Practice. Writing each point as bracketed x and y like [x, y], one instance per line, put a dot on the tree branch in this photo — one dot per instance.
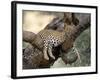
[28, 36]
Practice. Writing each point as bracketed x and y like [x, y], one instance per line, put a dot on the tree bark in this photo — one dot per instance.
[28, 36]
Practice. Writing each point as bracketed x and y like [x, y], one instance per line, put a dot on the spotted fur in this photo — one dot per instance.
[51, 38]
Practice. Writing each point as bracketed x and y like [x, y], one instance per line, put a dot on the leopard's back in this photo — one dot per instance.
[52, 37]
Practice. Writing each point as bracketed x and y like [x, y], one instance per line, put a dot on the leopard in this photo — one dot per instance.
[51, 38]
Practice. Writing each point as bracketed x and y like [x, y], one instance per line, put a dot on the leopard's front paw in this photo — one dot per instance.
[46, 57]
[53, 57]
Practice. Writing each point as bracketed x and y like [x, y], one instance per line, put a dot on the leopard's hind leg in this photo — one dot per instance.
[45, 51]
[50, 52]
